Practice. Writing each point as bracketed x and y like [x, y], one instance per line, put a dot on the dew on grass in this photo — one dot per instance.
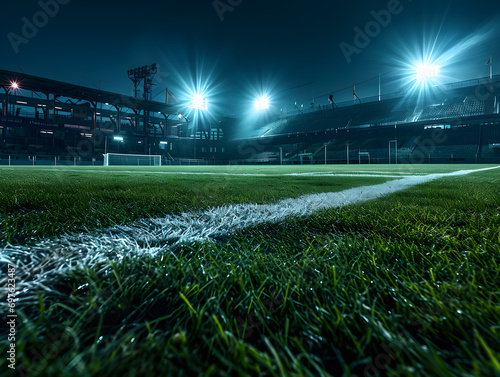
[101, 246]
[83, 286]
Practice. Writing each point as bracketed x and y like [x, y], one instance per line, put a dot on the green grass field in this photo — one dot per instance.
[404, 285]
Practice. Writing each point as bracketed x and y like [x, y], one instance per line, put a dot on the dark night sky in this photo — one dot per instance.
[258, 46]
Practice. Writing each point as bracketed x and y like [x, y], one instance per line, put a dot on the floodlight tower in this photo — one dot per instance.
[146, 75]
[262, 103]
[426, 71]
[14, 86]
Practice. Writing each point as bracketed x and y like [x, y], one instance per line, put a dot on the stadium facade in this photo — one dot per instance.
[52, 122]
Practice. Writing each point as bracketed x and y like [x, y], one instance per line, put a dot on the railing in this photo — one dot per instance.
[34, 160]
[412, 158]
[449, 86]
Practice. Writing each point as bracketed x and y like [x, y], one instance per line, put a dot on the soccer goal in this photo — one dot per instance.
[117, 159]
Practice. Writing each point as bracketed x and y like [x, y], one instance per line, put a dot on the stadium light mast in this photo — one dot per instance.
[14, 86]
[379, 94]
[424, 72]
[261, 103]
[355, 95]
[145, 73]
[198, 102]
[490, 63]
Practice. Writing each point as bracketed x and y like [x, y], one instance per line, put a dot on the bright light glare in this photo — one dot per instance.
[427, 71]
[198, 102]
[14, 85]
[262, 103]
[118, 138]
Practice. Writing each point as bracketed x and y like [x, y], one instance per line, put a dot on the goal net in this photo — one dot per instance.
[117, 159]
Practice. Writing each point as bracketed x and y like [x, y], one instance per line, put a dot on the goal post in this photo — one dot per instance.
[117, 159]
[364, 154]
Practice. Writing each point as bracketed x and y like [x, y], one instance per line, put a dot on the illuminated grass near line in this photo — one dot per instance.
[410, 279]
[160, 235]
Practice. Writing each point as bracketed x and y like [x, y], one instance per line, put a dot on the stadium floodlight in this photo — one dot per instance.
[262, 103]
[118, 138]
[426, 71]
[198, 102]
[14, 85]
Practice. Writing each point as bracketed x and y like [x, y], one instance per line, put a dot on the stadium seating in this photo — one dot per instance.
[453, 110]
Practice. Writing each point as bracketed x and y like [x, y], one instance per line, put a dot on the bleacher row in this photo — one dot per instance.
[453, 110]
[364, 116]
[399, 116]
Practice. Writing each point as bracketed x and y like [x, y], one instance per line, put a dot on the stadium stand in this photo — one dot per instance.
[453, 110]
[78, 125]
[454, 124]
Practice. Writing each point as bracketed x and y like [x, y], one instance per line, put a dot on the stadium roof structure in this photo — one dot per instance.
[94, 96]
[468, 101]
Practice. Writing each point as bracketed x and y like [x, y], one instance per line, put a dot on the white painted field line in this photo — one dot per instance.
[312, 174]
[326, 174]
[97, 249]
[386, 172]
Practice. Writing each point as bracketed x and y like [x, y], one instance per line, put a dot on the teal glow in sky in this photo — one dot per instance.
[223, 53]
